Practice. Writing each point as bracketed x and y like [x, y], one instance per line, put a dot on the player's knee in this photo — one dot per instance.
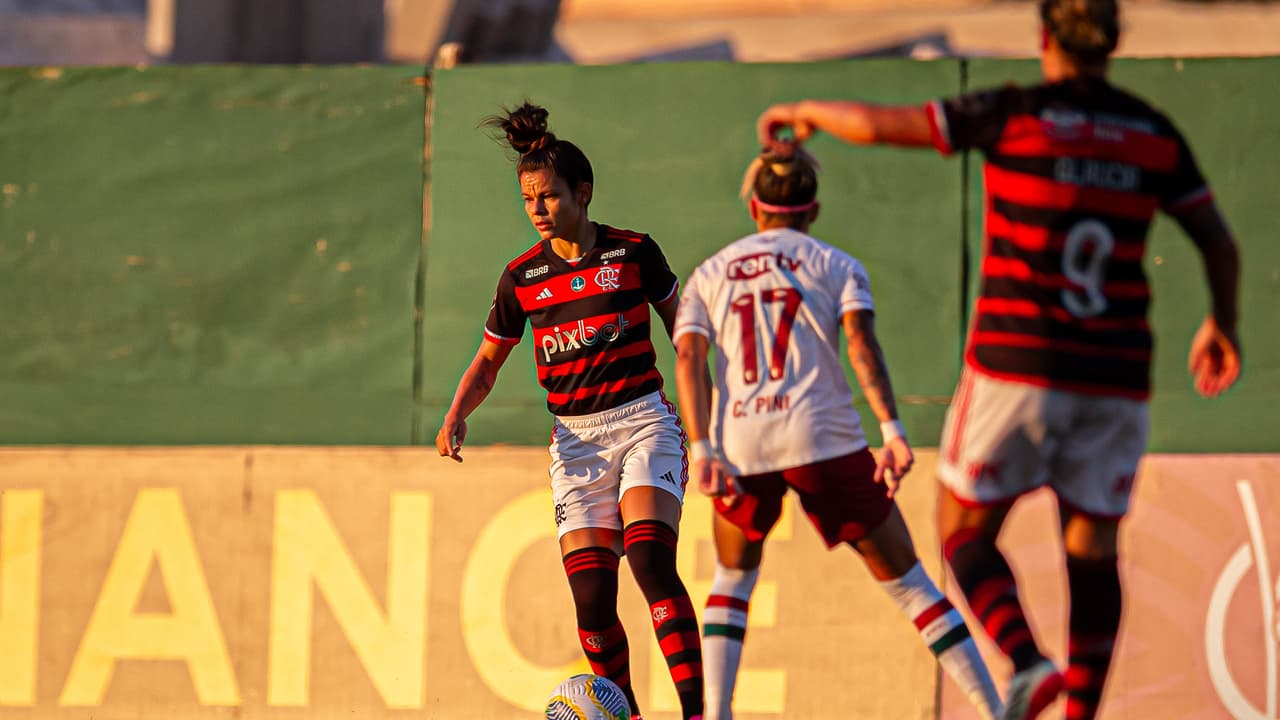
[962, 545]
[593, 581]
[652, 566]
[651, 554]
[1090, 538]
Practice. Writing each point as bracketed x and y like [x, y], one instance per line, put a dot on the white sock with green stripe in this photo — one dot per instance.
[724, 625]
[944, 631]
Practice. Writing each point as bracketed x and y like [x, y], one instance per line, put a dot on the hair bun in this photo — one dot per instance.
[780, 159]
[1089, 29]
[526, 128]
[780, 150]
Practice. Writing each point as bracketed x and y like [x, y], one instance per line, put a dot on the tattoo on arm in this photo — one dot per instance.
[868, 363]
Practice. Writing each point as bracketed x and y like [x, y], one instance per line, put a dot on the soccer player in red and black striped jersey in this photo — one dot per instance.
[618, 464]
[1058, 359]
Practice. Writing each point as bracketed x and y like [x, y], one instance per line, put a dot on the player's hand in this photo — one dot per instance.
[449, 439]
[777, 118]
[1214, 362]
[713, 477]
[894, 463]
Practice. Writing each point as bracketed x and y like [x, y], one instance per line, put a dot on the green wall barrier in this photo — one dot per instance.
[1226, 109]
[208, 254]
[228, 254]
[669, 144]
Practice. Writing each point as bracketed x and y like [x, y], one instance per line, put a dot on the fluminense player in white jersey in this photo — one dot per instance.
[781, 416]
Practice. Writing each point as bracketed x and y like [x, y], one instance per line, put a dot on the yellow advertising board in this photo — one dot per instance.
[379, 583]
[385, 583]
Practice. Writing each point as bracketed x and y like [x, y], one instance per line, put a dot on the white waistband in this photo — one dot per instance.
[604, 417]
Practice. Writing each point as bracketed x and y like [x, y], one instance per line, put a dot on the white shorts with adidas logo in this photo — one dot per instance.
[597, 458]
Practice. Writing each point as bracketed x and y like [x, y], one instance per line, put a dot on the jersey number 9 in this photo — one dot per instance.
[1088, 246]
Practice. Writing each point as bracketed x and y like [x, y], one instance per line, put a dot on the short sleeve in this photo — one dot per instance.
[506, 322]
[692, 316]
[974, 120]
[659, 283]
[1186, 187]
[854, 284]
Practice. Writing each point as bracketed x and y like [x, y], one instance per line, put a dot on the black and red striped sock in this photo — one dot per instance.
[1096, 608]
[987, 582]
[593, 579]
[651, 553]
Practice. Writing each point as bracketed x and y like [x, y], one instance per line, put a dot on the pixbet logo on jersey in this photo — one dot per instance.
[745, 268]
[581, 335]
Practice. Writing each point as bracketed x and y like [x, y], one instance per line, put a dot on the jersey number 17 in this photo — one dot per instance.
[745, 307]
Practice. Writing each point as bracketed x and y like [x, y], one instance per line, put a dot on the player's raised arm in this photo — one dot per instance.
[474, 387]
[1215, 359]
[868, 363]
[852, 121]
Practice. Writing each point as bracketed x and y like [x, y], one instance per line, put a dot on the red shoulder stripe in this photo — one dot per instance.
[620, 234]
[1026, 136]
[525, 256]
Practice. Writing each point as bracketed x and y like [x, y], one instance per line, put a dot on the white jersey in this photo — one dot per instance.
[770, 305]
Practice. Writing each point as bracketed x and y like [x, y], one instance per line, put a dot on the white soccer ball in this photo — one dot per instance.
[588, 697]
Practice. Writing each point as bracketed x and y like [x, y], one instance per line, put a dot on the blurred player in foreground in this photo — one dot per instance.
[618, 465]
[1058, 360]
[781, 416]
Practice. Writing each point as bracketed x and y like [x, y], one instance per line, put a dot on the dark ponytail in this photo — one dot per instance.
[526, 132]
[1088, 30]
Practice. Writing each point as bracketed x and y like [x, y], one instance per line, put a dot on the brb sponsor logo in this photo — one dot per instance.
[535, 272]
[1250, 556]
[752, 266]
[581, 335]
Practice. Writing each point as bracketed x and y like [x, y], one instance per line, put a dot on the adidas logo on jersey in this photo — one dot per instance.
[545, 294]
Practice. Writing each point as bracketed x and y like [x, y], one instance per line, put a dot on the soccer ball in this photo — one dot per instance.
[588, 697]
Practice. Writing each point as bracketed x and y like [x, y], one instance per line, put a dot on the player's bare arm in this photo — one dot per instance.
[474, 387]
[854, 122]
[867, 360]
[667, 311]
[1215, 358]
[693, 385]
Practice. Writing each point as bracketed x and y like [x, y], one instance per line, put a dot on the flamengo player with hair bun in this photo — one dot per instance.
[618, 466]
[781, 417]
[1057, 368]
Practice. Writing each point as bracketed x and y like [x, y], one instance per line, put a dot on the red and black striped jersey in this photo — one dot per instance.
[1074, 173]
[590, 319]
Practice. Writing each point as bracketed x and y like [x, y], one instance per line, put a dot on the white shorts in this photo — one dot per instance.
[1002, 439]
[597, 458]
